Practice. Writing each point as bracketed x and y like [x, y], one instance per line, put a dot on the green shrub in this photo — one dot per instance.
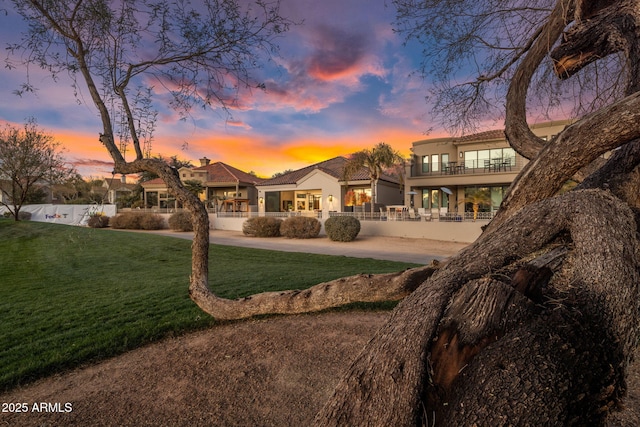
[300, 227]
[262, 226]
[137, 221]
[127, 221]
[151, 221]
[181, 221]
[98, 221]
[342, 228]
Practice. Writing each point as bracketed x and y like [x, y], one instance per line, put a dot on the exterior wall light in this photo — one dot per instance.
[330, 198]
[261, 200]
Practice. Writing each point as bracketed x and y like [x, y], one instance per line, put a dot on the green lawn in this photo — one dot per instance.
[72, 295]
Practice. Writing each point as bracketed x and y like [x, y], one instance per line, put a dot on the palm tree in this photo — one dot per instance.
[375, 160]
[478, 197]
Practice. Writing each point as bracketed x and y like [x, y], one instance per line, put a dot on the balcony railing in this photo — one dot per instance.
[475, 167]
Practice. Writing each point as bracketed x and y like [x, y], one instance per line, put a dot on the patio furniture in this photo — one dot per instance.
[452, 168]
[383, 214]
[424, 214]
[412, 215]
[498, 165]
[396, 212]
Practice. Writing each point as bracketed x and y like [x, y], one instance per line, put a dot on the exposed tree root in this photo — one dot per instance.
[359, 288]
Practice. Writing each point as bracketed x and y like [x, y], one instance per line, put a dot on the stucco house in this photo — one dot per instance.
[450, 175]
[225, 188]
[320, 188]
[115, 188]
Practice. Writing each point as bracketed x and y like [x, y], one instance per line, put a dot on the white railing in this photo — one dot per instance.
[313, 214]
[468, 216]
[363, 216]
[447, 217]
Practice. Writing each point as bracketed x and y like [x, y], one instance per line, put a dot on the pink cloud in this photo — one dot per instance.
[336, 53]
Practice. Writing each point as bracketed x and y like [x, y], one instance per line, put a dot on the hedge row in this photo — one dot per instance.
[137, 221]
[341, 229]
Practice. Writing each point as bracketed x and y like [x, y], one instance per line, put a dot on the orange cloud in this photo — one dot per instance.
[259, 153]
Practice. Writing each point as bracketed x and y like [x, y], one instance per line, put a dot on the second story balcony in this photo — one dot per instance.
[472, 167]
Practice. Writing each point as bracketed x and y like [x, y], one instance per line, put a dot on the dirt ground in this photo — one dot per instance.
[276, 371]
[271, 372]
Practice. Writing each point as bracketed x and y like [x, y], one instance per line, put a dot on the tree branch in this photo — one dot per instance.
[576, 147]
[517, 130]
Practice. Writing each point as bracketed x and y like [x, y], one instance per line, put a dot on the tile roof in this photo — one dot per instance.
[482, 136]
[222, 172]
[154, 181]
[332, 167]
[218, 172]
[117, 184]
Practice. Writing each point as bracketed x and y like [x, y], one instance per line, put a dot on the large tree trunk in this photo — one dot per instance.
[497, 336]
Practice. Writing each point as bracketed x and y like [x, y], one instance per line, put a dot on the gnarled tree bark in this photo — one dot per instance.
[471, 307]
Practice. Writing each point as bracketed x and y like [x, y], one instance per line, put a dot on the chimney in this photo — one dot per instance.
[204, 161]
[123, 179]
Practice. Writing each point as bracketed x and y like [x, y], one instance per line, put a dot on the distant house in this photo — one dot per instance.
[43, 191]
[321, 187]
[115, 188]
[454, 174]
[225, 188]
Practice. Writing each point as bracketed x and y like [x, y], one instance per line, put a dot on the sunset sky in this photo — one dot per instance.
[344, 83]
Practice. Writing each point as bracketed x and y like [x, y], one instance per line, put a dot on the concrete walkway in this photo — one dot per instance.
[419, 251]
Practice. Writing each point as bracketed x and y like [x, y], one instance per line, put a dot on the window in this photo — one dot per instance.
[477, 159]
[480, 196]
[425, 164]
[483, 155]
[488, 199]
[510, 155]
[445, 160]
[435, 199]
[425, 198]
[272, 201]
[470, 159]
[435, 160]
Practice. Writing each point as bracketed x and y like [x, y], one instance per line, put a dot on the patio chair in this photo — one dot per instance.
[424, 214]
[487, 165]
[383, 214]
